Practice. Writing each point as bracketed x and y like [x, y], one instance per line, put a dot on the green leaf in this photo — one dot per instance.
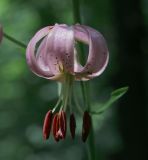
[115, 95]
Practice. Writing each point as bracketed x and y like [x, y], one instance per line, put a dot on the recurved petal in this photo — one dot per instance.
[31, 55]
[98, 52]
[60, 44]
[41, 56]
[1, 33]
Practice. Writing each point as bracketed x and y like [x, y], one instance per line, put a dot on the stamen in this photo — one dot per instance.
[63, 123]
[72, 125]
[59, 126]
[47, 124]
[86, 126]
[57, 104]
[55, 127]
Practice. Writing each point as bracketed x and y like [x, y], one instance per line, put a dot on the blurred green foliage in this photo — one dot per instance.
[25, 98]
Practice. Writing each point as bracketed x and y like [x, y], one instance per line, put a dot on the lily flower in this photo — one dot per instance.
[1, 33]
[57, 54]
[52, 54]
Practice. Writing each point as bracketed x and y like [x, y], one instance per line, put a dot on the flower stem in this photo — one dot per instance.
[91, 139]
[84, 86]
[10, 38]
[76, 11]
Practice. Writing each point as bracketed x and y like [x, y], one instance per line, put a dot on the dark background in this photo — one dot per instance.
[122, 132]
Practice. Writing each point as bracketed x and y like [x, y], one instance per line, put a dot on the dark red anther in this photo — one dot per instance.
[63, 123]
[86, 125]
[59, 126]
[72, 125]
[47, 124]
[55, 126]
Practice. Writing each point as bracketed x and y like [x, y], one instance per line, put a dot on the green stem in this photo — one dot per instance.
[84, 86]
[77, 19]
[91, 144]
[76, 11]
[91, 139]
[14, 41]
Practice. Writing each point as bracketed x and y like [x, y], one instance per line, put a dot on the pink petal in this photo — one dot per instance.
[77, 66]
[98, 52]
[43, 61]
[32, 61]
[41, 55]
[1, 33]
[60, 48]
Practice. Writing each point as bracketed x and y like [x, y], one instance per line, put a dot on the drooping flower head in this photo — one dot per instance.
[1, 33]
[57, 54]
[52, 54]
